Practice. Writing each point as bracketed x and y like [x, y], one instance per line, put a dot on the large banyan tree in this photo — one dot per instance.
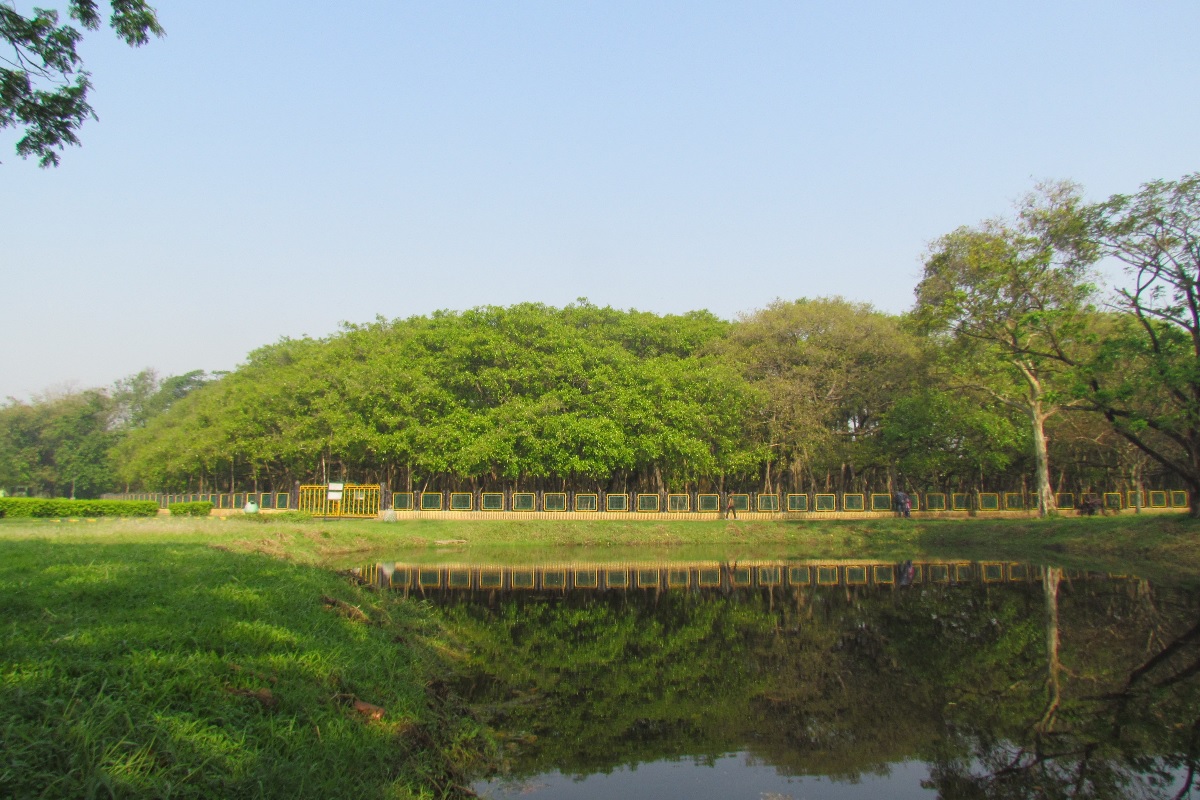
[492, 397]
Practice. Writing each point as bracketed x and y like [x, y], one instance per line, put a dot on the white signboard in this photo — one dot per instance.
[335, 491]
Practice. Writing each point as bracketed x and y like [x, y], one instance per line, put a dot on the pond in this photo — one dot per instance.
[840, 679]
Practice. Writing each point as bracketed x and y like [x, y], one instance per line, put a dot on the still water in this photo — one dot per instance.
[849, 679]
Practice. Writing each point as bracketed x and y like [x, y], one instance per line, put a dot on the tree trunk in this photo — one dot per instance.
[1046, 501]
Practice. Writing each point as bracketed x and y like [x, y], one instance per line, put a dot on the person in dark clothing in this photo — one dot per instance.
[903, 503]
[730, 509]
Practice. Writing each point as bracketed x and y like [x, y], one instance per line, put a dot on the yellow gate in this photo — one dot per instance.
[357, 501]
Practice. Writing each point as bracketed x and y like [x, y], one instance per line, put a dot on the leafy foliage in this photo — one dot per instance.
[43, 86]
[1012, 298]
[60, 443]
[492, 394]
[1146, 376]
[827, 370]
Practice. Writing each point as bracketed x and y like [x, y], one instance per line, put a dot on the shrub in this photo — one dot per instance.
[57, 508]
[200, 508]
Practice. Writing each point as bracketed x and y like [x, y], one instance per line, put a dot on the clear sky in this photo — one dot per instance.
[272, 168]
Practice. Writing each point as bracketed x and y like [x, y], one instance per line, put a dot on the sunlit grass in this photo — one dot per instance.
[145, 664]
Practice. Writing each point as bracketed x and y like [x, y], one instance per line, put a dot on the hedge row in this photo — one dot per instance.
[199, 508]
[58, 508]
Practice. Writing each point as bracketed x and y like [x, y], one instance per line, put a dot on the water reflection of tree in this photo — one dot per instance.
[591, 683]
[1122, 719]
[1067, 689]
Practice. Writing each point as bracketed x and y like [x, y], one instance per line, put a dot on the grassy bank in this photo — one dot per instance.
[202, 658]
[150, 664]
[1149, 543]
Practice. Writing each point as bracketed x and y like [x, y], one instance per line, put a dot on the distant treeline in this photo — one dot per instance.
[812, 395]
[1011, 366]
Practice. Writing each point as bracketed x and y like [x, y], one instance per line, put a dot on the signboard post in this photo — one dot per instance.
[333, 493]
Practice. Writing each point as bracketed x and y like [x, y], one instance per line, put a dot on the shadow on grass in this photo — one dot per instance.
[156, 669]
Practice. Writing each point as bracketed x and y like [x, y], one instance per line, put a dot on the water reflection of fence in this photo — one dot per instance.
[696, 576]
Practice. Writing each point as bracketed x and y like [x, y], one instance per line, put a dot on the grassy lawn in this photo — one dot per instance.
[205, 658]
[146, 663]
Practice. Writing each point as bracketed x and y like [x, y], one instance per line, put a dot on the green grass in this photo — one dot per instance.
[197, 658]
[1153, 545]
[153, 665]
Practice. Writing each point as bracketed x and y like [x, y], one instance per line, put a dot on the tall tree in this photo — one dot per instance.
[828, 369]
[1013, 297]
[1146, 379]
[43, 86]
[58, 444]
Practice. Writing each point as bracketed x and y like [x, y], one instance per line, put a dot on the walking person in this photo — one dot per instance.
[730, 508]
[903, 503]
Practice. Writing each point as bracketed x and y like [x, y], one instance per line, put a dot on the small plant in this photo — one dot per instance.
[200, 508]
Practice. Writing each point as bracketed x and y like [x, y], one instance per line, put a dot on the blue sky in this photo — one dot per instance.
[269, 169]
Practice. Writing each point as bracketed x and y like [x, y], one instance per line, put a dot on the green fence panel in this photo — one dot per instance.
[853, 502]
[797, 502]
[616, 502]
[647, 502]
[825, 502]
[768, 502]
[524, 501]
[431, 501]
[708, 503]
[935, 501]
[587, 502]
[554, 501]
[491, 501]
